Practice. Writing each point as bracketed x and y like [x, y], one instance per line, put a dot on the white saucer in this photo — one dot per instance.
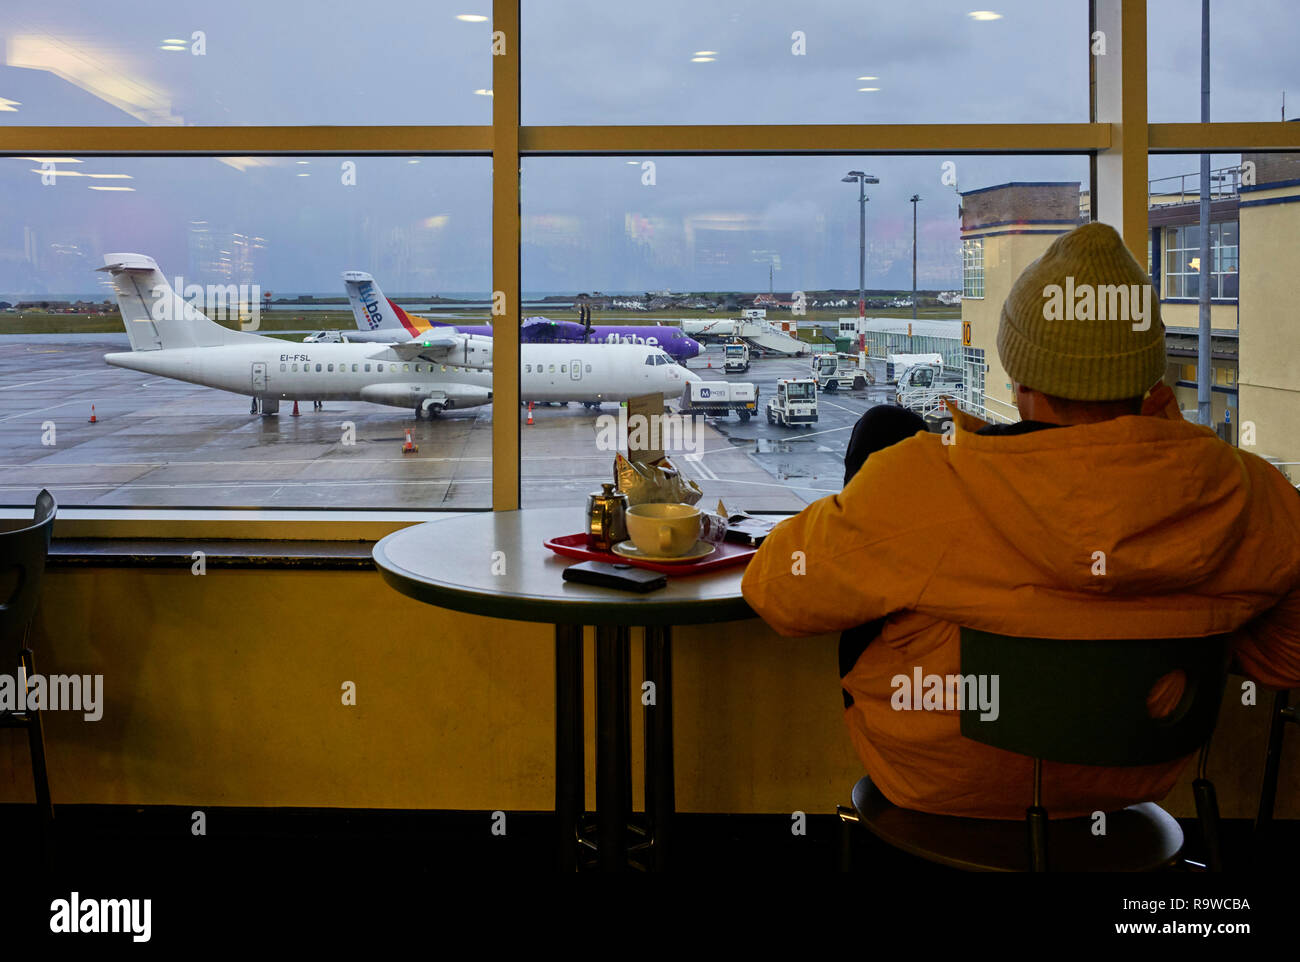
[626, 549]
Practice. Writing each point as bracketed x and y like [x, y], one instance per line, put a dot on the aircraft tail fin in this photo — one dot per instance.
[375, 312]
[155, 316]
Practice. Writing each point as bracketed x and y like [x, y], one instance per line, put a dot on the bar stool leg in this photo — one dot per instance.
[1268, 786]
[570, 778]
[613, 799]
[660, 791]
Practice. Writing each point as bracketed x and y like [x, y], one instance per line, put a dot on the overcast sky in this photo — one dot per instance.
[589, 223]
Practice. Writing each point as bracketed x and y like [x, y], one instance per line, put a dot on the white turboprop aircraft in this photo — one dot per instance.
[171, 338]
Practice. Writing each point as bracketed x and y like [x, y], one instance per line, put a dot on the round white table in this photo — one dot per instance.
[495, 564]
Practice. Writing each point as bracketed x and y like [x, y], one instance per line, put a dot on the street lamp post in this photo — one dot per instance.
[862, 180]
[914, 198]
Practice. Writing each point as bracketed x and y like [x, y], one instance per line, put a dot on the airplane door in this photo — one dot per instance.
[259, 377]
[575, 370]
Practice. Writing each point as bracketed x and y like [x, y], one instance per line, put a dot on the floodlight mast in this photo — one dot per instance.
[862, 180]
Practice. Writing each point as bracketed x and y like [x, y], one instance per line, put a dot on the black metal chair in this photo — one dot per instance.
[22, 567]
[1077, 702]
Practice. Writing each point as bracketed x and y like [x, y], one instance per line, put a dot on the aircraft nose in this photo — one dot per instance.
[692, 347]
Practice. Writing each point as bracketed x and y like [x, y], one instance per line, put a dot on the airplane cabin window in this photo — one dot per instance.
[650, 360]
[418, 368]
[528, 369]
[588, 368]
[354, 369]
[379, 369]
[317, 368]
[284, 367]
[329, 367]
[406, 367]
[552, 368]
[295, 367]
[367, 368]
[564, 368]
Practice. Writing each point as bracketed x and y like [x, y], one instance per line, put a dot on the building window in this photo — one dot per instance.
[1183, 260]
[972, 267]
[973, 368]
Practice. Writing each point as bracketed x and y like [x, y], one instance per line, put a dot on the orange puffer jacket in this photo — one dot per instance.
[1001, 533]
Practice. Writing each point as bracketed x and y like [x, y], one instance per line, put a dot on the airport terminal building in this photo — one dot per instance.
[1254, 229]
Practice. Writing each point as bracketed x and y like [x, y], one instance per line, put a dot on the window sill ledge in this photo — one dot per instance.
[160, 553]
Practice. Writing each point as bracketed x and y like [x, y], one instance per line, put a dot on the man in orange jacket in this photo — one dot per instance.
[1101, 514]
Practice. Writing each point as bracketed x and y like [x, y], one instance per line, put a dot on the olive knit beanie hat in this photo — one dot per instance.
[1082, 322]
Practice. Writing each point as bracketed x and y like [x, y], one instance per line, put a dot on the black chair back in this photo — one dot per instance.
[1085, 701]
[22, 565]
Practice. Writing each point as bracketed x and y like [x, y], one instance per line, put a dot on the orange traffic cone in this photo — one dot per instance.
[295, 409]
[410, 446]
[93, 419]
[530, 412]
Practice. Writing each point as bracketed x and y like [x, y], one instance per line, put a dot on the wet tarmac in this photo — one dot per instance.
[164, 443]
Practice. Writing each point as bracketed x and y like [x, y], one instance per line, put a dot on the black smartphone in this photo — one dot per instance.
[624, 577]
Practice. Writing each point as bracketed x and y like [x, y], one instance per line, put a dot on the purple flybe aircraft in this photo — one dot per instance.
[380, 319]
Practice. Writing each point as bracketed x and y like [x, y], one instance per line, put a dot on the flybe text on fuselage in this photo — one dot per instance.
[614, 337]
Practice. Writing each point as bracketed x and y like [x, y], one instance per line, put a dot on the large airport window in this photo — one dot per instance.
[258, 244]
[1252, 60]
[766, 249]
[181, 62]
[786, 62]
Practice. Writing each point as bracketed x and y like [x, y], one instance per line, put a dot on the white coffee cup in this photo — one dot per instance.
[664, 530]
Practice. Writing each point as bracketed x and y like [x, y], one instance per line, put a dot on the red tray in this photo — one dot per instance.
[728, 554]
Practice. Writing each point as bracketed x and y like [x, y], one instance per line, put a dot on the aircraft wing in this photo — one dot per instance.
[463, 350]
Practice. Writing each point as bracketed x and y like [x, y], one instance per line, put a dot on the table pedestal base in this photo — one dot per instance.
[613, 821]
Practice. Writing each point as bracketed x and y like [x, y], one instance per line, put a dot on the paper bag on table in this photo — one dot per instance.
[653, 482]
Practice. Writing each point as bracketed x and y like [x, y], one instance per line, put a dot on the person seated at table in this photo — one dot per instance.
[1101, 514]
